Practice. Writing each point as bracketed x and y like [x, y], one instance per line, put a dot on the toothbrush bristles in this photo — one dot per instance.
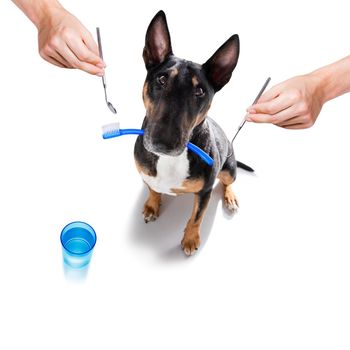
[110, 129]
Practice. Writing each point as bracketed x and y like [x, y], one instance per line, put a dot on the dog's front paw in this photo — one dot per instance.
[150, 213]
[152, 207]
[190, 244]
[231, 202]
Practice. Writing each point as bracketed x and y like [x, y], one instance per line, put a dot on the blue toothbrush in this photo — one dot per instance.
[112, 130]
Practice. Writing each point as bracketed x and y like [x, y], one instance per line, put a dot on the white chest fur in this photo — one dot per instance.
[171, 173]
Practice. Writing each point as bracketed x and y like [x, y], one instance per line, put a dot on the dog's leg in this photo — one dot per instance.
[230, 199]
[152, 206]
[191, 240]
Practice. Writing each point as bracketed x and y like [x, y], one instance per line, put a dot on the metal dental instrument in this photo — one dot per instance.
[109, 104]
[244, 121]
[255, 101]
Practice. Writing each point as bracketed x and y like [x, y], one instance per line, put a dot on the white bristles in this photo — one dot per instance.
[110, 128]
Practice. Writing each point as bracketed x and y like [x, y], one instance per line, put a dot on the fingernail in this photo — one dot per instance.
[100, 74]
[248, 119]
[100, 65]
[251, 110]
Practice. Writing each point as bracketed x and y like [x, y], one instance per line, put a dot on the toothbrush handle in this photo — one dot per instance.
[200, 153]
[195, 149]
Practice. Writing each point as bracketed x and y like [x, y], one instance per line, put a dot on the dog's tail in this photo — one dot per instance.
[244, 166]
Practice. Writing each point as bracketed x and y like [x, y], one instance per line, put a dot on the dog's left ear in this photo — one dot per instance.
[157, 45]
[220, 66]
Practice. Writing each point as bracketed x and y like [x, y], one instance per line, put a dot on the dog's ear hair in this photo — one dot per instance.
[157, 45]
[220, 66]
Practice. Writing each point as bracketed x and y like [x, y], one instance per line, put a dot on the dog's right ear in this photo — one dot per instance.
[157, 45]
[220, 66]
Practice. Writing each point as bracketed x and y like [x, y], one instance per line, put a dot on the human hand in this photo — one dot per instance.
[65, 42]
[293, 104]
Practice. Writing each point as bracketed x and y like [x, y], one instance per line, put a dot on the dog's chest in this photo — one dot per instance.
[171, 174]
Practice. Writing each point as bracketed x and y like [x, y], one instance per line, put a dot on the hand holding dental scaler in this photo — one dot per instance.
[63, 39]
[297, 102]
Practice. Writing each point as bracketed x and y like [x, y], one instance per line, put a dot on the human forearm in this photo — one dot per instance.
[334, 79]
[37, 10]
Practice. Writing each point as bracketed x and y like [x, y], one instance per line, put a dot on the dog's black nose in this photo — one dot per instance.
[164, 148]
[163, 143]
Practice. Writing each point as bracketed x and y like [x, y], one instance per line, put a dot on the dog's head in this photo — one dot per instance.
[177, 93]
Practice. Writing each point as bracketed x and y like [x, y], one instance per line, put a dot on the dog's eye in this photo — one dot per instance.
[161, 80]
[198, 92]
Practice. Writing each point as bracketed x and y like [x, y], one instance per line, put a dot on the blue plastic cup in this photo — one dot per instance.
[78, 240]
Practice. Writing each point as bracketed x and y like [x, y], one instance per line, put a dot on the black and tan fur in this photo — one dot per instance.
[177, 95]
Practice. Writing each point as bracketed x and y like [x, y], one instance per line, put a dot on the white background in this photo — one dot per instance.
[275, 276]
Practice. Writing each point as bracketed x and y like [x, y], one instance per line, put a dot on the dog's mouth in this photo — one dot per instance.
[162, 146]
[163, 150]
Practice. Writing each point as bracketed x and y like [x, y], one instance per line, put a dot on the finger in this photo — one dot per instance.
[260, 118]
[84, 54]
[297, 126]
[298, 119]
[278, 104]
[277, 118]
[291, 121]
[287, 116]
[300, 122]
[49, 54]
[281, 117]
[92, 46]
[53, 60]
[74, 62]
[56, 55]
